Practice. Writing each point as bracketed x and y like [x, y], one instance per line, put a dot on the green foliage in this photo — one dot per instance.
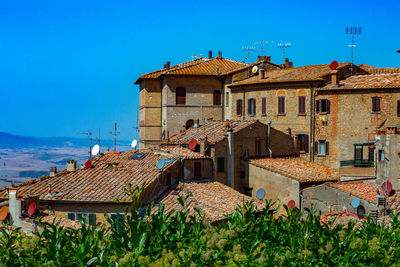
[245, 238]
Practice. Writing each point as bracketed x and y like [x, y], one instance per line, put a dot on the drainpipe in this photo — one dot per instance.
[244, 104]
[312, 129]
[161, 109]
[230, 154]
[268, 138]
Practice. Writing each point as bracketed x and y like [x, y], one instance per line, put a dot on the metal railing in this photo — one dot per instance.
[357, 163]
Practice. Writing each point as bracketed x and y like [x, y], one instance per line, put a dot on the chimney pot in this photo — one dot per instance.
[210, 54]
[53, 171]
[334, 78]
[262, 73]
[71, 165]
[219, 54]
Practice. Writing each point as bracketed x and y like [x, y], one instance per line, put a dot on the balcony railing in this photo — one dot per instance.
[357, 163]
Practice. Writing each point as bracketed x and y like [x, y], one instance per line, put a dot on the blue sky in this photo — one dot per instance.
[69, 66]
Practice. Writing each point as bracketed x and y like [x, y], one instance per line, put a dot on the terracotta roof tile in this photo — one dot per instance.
[374, 81]
[214, 131]
[358, 189]
[378, 70]
[297, 168]
[215, 199]
[105, 181]
[199, 66]
[181, 151]
[298, 74]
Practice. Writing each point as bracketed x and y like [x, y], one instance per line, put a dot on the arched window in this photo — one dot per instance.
[189, 124]
[217, 98]
[180, 96]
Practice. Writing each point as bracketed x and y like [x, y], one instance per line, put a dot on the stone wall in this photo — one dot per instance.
[388, 162]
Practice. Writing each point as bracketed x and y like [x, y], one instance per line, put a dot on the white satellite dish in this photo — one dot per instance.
[95, 150]
[133, 144]
[254, 69]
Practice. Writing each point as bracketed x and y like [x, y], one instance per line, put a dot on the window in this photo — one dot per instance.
[252, 107]
[180, 96]
[71, 216]
[220, 164]
[376, 104]
[92, 219]
[217, 98]
[263, 106]
[89, 218]
[302, 105]
[246, 154]
[239, 107]
[197, 170]
[119, 219]
[381, 155]
[322, 148]
[258, 149]
[323, 106]
[398, 108]
[227, 99]
[281, 105]
[302, 140]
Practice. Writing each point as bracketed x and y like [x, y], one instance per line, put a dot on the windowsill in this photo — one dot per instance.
[301, 114]
[378, 112]
[319, 155]
[283, 114]
[303, 152]
[252, 115]
[322, 113]
[263, 115]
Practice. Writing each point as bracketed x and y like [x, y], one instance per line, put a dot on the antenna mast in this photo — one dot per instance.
[248, 50]
[283, 46]
[115, 133]
[89, 134]
[261, 43]
[353, 31]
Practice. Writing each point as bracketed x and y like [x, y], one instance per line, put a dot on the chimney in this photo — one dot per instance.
[14, 207]
[334, 78]
[53, 171]
[264, 58]
[287, 64]
[262, 74]
[167, 65]
[219, 54]
[204, 146]
[71, 165]
[210, 54]
[196, 123]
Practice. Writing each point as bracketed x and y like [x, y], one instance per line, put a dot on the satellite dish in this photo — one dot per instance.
[3, 213]
[161, 163]
[355, 202]
[192, 144]
[360, 211]
[95, 150]
[387, 187]
[133, 144]
[32, 209]
[291, 204]
[254, 69]
[260, 193]
[88, 164]
[334, 65]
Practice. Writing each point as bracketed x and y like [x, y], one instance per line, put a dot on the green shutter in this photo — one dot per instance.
[71, 216]
[221, 165]
[92, 219]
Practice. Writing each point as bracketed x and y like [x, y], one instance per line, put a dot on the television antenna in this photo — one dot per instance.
[283, 46]
[90, 135]
[137, 125]
[353, 31]
[262, 43]
[115, 133]
[194, 56]
[248, 50]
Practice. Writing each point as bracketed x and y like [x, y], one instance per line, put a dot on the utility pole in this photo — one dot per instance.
[115, 133]
[89, 134]
[261, 43]
[248, 50]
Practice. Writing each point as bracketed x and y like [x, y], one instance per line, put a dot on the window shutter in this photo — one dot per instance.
[378, 104]
[302, 105]
[326, 148]
[306, 143]
[317, 107]
[398, 108]
[92, 219]
[71, 216]
[316, 148]
[254, 104]
[264, 105]
[239, 107]
[249, 107]
[328, 106]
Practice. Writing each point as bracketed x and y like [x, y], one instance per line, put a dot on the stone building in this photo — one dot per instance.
[282, 179]
[175, 97]
[351, 112]
[388, 158]
[227, 142]
[286, 98]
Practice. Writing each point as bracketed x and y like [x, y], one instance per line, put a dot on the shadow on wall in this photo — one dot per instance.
[281, 144]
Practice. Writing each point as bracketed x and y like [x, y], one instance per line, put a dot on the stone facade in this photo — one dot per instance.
[388, 159]
[352, 121]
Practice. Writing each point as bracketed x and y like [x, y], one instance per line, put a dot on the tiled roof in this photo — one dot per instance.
[105, 181]
[297, 168]
[215, 199]
[214, 131]
[63, 221]
[378, 70]
[373, 81]
[299, 74]
[180, 151]
[341, 217]
[358, 189]
[199, 66]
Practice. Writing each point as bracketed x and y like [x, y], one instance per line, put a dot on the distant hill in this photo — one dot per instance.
[8, 140]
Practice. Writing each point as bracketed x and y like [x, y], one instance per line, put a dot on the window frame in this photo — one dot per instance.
[376, 107]
[239, 107]
[263, 106]
[217, 98]
[281, 105]
[318, 106]
[252, 107]
[326, 147]
[180, 98]
[305, 143]
[301, 103]
[258, 148]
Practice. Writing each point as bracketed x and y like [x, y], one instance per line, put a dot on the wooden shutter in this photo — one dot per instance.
[326, 148]
[328, 106]
[239, 107]
[264, 105]
[398, 108]
[217, 98]
[302, 105]
[316, 148]
[306, 143]
[376, 104]
[92, 219]
[281, 105]
[254, 106]
[249, 106]
[180, 96]
[317, 106]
